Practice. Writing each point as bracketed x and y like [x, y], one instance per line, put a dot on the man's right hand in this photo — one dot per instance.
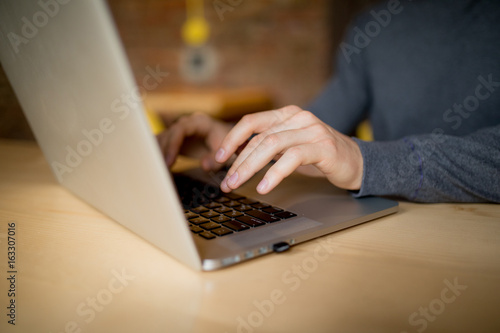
[198, 136]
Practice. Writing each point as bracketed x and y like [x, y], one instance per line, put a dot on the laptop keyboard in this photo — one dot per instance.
[212, 213]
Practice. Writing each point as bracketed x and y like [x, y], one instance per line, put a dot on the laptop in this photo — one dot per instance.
[69, 71]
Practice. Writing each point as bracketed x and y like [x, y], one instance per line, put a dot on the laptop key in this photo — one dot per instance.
[285, 215]
[233, 213]
[234, 196]
[251, 221]
[212, 205]
[189, 215]
[243, 208]
[199, 220]
[232, 203]
[199, 209]
[209, 214]
[236, 226]
[222, 199]
[272, 210]
[222, 231]
[259, 205]
[210, 225]
[220, 219]
[248, 201]
[222, 209]
[207, 235]
[263, 216]
[196, 229]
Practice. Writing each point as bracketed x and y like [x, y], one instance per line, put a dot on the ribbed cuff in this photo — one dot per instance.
[392, 168]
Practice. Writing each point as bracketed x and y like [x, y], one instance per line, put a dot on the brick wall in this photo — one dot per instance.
[281, 45]
[285, 46]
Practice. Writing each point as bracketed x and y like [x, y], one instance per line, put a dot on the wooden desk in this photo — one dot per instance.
[225, 104]
[78, 271]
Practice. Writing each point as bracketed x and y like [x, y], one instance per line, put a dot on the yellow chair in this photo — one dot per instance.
[155, 121]
[364, 131]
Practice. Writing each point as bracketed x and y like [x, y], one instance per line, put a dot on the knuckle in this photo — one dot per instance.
[255, 140]
[318, 129]
[293, 109]
[246, 119]
[270, 141]
[329, 160]
[330, 145]
[182, 120]
[198, 116]
[244, 168]
[174, 129]
[185, 120]
[295, 153]
[305, 116]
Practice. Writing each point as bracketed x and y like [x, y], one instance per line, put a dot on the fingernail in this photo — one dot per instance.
[233, 179]
[219, 155]
[262, 185]
[224, 187]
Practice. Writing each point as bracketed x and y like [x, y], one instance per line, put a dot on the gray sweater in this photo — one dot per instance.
[427, 76]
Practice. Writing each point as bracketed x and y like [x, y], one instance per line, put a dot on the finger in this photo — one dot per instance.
[215, 136]
[173, 142]
[239, 134]
[310, 129]
[250, 162]
[248, 125]
[163, 141]
[293, 158]
[176, 134]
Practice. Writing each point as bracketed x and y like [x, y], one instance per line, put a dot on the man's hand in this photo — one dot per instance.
[293, 137]
[197, 135]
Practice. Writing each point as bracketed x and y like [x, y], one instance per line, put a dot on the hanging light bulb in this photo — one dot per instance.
[198, 60]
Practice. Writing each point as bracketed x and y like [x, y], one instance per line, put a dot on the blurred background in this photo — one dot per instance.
[222, 57]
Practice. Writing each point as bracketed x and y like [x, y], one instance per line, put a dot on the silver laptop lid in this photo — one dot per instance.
[70, 74]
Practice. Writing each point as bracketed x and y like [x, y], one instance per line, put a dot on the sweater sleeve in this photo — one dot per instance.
[434, 167]
[343, 102]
